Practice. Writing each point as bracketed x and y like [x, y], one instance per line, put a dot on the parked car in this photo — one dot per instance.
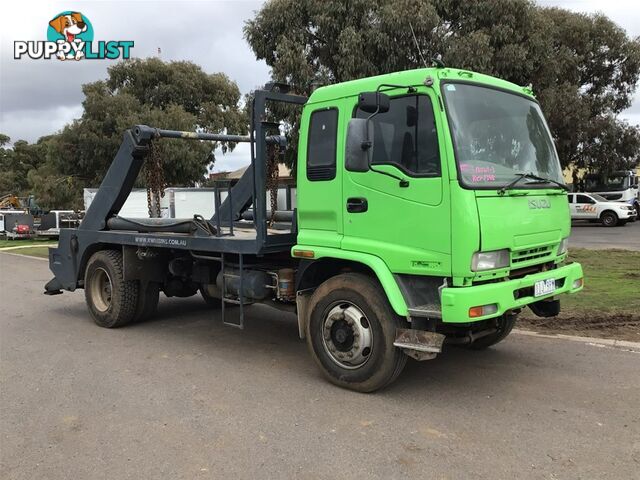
[591, 206]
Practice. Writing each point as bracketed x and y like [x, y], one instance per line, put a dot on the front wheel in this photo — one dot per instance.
[351, 331]
[609, 219]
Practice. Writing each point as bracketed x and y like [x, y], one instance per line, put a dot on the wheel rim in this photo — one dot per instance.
[608, 220]
[101, 288]
[347, 336]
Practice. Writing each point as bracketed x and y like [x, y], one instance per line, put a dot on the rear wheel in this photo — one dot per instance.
[112, 301]
[609, 219]
[504, 326]
[351, 331]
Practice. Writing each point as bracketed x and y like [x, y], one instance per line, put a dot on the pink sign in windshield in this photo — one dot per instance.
[478, 174]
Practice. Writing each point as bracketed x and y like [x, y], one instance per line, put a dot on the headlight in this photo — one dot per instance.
[563, 247]
[489, 260]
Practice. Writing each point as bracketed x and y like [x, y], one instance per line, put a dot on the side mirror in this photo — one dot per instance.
[359, 147]
[372, 102]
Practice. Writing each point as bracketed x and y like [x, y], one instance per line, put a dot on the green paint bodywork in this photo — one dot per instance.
[434, 226]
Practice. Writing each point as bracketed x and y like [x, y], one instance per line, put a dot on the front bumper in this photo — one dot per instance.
[627, 214]
[507, 295]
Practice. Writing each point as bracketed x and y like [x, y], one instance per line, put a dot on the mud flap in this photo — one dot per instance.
[545, 308]
[53, 287]
[419, 344]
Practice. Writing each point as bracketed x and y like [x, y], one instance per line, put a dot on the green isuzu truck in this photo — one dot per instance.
[429, 210]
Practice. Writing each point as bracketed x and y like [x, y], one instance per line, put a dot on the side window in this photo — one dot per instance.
[584, 199]
[570, 198]
[406, 136]
[321, 145]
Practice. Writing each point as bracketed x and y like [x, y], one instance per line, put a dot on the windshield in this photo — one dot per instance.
[598, 198]
[614, 183]
[497, 135]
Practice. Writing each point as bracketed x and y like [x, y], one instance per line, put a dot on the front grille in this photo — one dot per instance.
[516, 273]
[519, 257]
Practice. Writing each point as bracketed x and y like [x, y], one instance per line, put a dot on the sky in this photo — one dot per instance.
[38, 97]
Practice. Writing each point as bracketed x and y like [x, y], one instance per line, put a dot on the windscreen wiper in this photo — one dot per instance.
[532, 176]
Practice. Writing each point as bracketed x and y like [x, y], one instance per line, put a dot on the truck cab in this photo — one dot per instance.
[621, 187]
[453, 196]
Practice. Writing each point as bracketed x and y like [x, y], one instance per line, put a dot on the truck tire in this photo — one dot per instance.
[505, 325]
[350, 333]
[148, 297]
[609, 219]
[112, 301]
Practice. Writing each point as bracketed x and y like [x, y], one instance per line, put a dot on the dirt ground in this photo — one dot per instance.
[623, 326]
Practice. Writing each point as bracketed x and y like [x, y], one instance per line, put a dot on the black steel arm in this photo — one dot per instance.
[251, 188]
[126, 165]
[119, 180]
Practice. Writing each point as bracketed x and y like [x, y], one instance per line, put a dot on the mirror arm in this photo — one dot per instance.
[403, 182]
[410, 88]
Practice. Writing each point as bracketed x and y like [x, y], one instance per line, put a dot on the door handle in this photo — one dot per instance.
[357, 205]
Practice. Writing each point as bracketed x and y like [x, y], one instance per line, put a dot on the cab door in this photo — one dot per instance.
[407, 225]
[319, 186]
[585, 207]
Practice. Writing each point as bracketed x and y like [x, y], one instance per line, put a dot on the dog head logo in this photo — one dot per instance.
[69, 25]
[70, 37]
[72, 28]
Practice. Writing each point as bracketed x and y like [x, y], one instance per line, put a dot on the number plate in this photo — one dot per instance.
[544, 287]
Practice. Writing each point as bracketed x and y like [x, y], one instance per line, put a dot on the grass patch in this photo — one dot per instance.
[612, 282]
[24, 242]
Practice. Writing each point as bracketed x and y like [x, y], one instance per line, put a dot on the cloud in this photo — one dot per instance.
[21, 124]
[623, 12]
[230, 161]
[37, 97]
[632, 118]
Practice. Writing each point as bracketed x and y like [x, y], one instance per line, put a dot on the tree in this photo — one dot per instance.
[174, 95]
[53, 190]
[583, 68]
[15, 164]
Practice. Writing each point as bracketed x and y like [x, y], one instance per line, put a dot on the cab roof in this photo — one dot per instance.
[410, 78]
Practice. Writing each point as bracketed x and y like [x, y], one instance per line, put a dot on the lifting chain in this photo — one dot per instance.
[273, 153]
[154, 176]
